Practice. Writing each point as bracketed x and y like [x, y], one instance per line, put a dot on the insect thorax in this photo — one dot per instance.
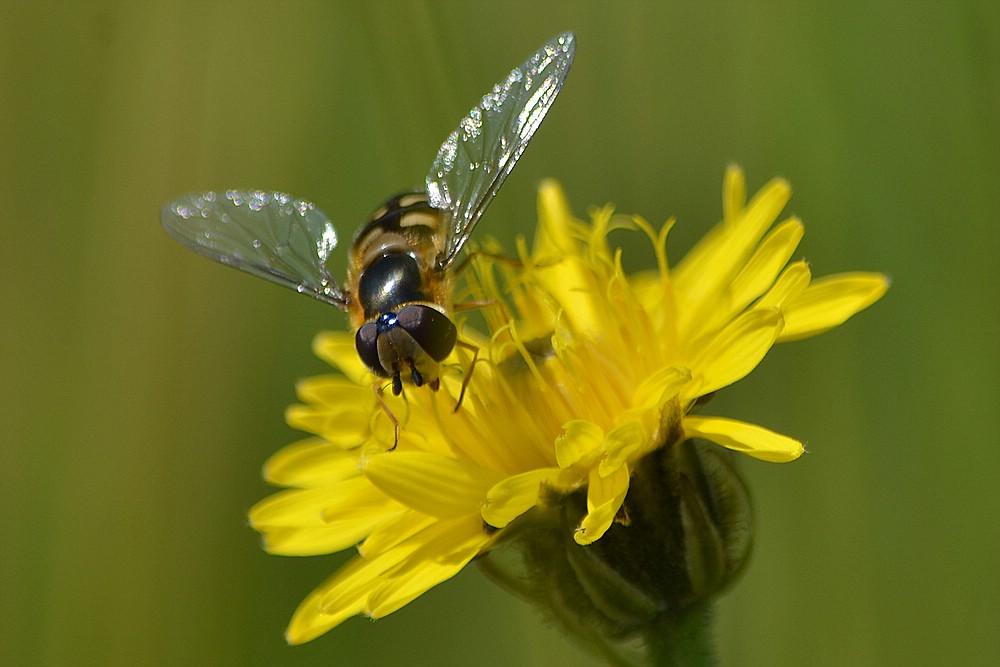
[394, 256]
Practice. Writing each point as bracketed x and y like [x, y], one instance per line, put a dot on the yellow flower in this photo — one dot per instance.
[584, 371]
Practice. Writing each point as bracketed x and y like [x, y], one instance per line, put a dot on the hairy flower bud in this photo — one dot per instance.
[684, 534]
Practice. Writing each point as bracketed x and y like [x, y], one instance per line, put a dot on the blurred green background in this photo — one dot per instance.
[142, 386]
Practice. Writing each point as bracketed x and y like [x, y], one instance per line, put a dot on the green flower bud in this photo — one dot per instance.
[683, 535]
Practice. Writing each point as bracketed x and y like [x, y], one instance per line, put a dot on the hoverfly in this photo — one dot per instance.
[398, 293]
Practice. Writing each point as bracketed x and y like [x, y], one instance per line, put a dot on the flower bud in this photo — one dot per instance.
[684, 534]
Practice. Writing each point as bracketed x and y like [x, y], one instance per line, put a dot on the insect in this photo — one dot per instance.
[399, 288]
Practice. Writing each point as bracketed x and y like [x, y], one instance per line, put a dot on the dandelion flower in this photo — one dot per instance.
[583, 373]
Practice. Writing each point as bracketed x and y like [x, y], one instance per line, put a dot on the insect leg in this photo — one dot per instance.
[468, 376]
[380, 387]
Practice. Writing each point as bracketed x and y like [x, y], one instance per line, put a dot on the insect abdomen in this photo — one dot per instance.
[406, 224]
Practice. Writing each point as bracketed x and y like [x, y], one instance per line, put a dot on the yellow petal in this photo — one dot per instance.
[751, 439]
[792, 282]
[352, 585]
[326, 539]
[332, 390]
[561, 269]
[653, 292]
[622, 443]
[734, 192]
[766, 263]
[553, 238]
[707, 270]
[353, 498]
[578, 440]
[309, 463]
[442, 486]
[660, 387]
[395, 530]
[344, 427]
[604, 498]
[456, 543]
[515, 495]
[735, 351]
[337, 349]
[310, 621]
[765, 207]
[829, 302]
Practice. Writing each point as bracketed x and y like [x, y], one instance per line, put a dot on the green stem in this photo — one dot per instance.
[682, 642]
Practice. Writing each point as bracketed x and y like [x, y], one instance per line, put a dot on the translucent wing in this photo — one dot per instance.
[473, 162]
[269, 234]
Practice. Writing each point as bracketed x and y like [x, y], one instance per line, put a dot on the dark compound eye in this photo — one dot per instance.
[366, 341]
[430, 328]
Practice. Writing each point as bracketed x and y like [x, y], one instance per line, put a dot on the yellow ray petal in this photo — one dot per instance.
[766, 263]
[310, 621]
[569, 280]
[326, 539]
[395, 530]
[734, 192]
[456, 543]
[707, 270]
[829, 302]
[352, 585]
[337, 349]
[309, 463]
[751, 439]
[344, 427]
[735, 352]
[622, 443]
[553, 237]
[348, 499]
[579, 439]
[660, 387]
[443, 486]
[332, 390]
[604, 498]
[515, 495]
[792, 282]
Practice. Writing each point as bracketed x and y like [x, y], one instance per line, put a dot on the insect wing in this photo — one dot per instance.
[269, 234]
[473, 162]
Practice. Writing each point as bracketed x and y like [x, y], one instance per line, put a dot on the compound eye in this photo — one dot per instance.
[430, 328]
[366, 341]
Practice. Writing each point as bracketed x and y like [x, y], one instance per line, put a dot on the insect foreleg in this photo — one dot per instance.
[380, 387]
